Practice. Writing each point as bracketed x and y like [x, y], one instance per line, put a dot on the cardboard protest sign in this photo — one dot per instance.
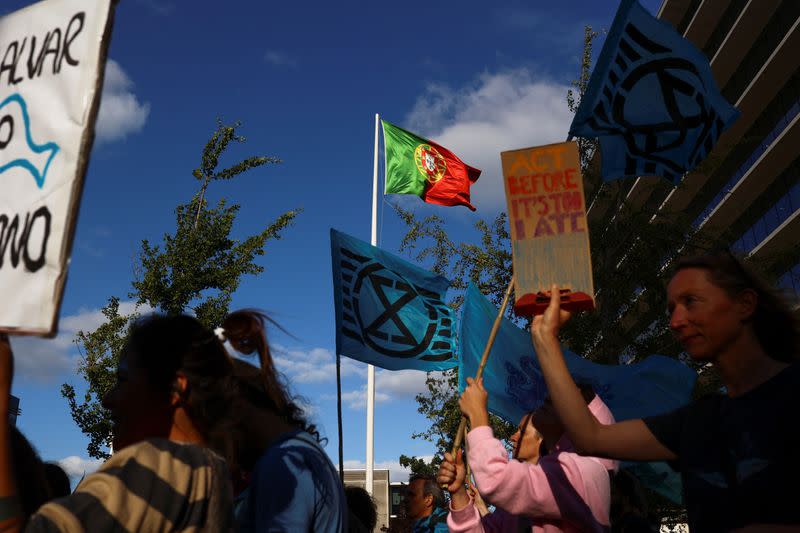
[53, 56]
[549, 235]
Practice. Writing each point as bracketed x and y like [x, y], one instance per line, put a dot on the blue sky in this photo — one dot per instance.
[306, 79]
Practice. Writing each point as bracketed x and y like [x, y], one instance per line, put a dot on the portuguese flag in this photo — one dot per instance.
[418, 166]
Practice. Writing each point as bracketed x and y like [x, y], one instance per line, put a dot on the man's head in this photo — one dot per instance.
[362, 506]
[423, 495]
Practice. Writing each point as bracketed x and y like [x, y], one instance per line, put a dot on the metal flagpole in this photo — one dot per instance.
[371, 369]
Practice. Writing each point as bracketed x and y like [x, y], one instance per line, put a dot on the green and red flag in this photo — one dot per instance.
[415, 165]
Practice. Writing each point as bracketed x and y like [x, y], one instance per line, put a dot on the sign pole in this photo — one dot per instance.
[489, 342]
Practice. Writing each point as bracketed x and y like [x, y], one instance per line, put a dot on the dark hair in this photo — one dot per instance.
[362, 506]
[526, 421]
[29, 474]
[258, 389]
[776, 325]
[57, 480]
[166, 345]
[263, 387]
[586, 390]
[430, 487]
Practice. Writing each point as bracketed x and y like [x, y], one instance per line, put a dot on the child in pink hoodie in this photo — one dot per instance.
[559, 491]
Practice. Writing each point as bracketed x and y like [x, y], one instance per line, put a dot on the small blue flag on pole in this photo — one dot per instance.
[516, 385]
[389, 312]
[651, 100]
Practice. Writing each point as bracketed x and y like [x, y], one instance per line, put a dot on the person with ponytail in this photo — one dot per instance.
[283, 478]
[174, 391]
[546, 486]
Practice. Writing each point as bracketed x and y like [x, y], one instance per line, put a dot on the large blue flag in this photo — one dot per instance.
[389, 312]
[516, 385]
[651, 100]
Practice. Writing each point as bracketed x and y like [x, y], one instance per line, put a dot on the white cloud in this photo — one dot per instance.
[47, 359]
[277, 58]
[121, 113]
[313, 366]
[498, 112]
[396, 472]
[91, 319]
[401, 382]
[77, 467]
[389, 385]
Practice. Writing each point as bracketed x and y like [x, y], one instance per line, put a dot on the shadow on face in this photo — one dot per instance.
[139, 411]
[527, 440]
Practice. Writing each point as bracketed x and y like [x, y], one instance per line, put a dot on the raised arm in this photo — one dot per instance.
[630, 440]
[10, 511]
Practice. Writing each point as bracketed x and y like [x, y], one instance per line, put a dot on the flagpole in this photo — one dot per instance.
[489, 342]
[339, 414]
[371, 369]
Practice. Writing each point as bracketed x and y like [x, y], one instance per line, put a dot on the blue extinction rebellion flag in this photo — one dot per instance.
[651, 101]
[516, 386]
[389, 312]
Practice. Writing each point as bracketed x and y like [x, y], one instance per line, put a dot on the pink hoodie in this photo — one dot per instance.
[564, 492]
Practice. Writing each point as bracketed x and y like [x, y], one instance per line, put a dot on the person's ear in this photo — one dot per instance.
[747, 301]
[179, 387]
[429, 500]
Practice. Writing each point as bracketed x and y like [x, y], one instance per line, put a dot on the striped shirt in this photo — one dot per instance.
[156, 486]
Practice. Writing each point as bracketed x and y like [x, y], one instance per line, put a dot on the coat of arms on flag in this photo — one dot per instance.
[652, 100]
[389, 313]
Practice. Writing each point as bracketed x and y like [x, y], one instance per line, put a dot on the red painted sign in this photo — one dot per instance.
[547, 215]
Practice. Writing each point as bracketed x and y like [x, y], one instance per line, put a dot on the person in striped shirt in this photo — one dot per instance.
[174, 392]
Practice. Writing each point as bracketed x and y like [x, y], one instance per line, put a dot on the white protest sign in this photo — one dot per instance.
[52, 59]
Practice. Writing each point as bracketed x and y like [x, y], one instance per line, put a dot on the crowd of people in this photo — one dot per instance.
[204, 441]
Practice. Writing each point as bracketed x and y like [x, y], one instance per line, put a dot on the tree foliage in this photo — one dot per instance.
[630, 251]
[195, 269]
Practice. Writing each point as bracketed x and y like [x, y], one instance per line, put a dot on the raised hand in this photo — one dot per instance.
[473, 403]
[472, 490]
[452, 476]
[545, 327]
[452, 473]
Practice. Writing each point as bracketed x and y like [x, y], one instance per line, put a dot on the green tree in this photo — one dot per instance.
[196, 269]
[629, 250]
[486, 264]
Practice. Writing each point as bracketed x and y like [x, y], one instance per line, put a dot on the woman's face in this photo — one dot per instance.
[531, 441]
[138, 411]
[706, 320]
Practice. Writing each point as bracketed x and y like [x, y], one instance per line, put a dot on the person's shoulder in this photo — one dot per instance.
[296, 451]
[700, 406]
[158, 451]
[166, 459]
[584, 462]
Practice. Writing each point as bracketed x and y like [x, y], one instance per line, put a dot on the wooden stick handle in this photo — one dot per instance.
[489, 342]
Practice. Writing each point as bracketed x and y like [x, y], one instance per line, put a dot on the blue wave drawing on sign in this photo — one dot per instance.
[7, 121]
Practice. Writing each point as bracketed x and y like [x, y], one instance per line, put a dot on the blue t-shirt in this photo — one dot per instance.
[293, 488]
[436, 522]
